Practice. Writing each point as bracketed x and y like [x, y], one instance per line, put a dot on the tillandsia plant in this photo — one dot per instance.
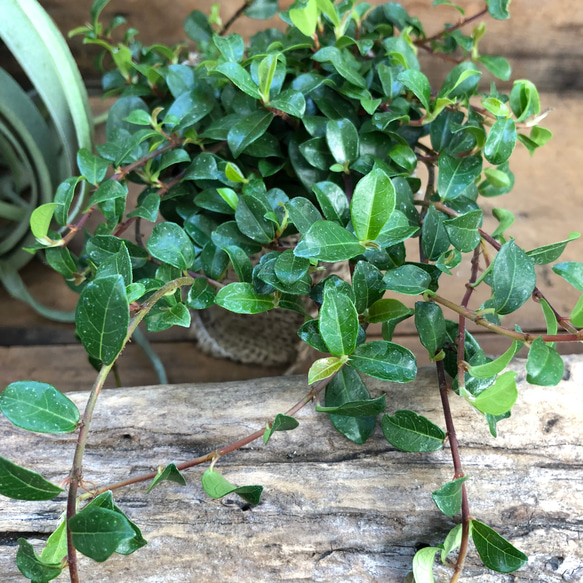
[272, 160]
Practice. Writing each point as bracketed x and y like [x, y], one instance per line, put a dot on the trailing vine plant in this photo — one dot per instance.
[302, 145]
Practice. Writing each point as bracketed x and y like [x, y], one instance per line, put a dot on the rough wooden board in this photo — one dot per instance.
[541, 40]
[331, 510]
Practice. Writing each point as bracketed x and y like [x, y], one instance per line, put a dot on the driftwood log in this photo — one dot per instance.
[331, 510]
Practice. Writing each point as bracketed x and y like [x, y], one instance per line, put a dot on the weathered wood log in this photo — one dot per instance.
[331, 510]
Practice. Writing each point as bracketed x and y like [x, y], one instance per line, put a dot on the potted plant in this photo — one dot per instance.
[276, 158]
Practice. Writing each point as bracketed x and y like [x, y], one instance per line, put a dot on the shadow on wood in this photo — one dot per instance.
[331, 510]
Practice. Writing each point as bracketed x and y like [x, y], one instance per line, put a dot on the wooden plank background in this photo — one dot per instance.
[542, 39]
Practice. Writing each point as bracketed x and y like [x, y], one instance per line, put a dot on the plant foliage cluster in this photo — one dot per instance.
[303, 145]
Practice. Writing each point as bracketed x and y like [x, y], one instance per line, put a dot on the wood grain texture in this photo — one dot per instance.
[542, 38]
[331, 510]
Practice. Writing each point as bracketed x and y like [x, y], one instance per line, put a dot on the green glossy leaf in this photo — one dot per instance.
[148, 208]
[228, 234]
[243, 299]
[201, 295]
[342, 64]
[291, 102]
[262, 9]
[333, 202]
[38, 407]
[302, 213]
[19, 483]
[572, 272]
[250, 217]
[395, 230]
[280, 423]
[170, 473]
[430, 325]
[97, 532]
[164, 317]
[128, 545]
[240, 77]
[513, 278]
[417, 82]
[93, 168]
[327, 241]
[289, 268]
[544, 365]
[40, 220]
[56, 548]
[452, 542]
[506, 220]
[456, 174]
[463, 230]
[549, 253]
[102, 317]
[367, 282]
[449, 497]
[490, 369]
[305, 17]
[309, 332]
[408, 431]
[197, 27]
[498, 66]
[266, 272]
[524, 100]
[576, 316]
[338, 322]
[117, 264]
[217, 486]
[346, 387]
[214, 261]
[34, 567]
[448, 260]
[170, 244]
[550, 319]
[393, 312]
[366, 408]
[501, 141]
[384, 360]
[495, 551]
[407, 279]
[500, 397]
[372, 204]
[423, 564]
[241, 263]
[324, 367]
[231, 47]
[247, 130]
[496, 107]
[342, 139]
[434, 240]
[498, 9]
[64, 197]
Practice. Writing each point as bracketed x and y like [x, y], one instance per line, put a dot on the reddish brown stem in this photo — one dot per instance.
[447, 30]
[220, 452]
[457, 465]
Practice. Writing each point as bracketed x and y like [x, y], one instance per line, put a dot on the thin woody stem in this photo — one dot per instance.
[461, 339]
[76, 474]
[447, 30]
[458, 470]
[520, 336]
[217, 453]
